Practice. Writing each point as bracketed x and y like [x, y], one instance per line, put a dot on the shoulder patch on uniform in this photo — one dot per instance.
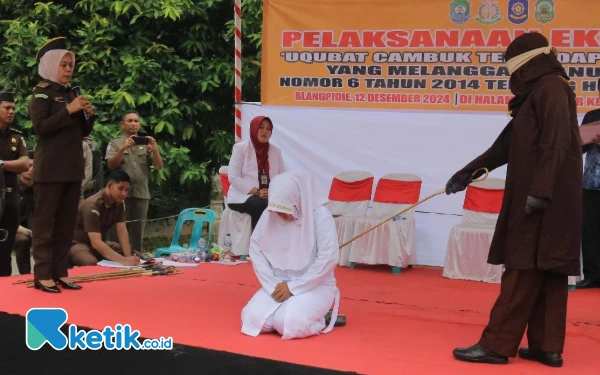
[41, 96]
[42, 84]
[96, 212]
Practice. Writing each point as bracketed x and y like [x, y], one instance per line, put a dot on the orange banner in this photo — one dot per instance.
[421, 54]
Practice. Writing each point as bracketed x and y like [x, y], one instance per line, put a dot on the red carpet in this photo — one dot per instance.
[396, 324]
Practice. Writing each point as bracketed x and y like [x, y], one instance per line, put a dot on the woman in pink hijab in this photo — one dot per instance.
[61, 118]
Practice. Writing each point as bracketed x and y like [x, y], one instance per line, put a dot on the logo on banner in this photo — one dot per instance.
[489, 12]
[460, 11]
[518, 11]
[544, 11]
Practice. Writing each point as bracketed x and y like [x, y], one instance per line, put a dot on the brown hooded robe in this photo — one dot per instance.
[542, 149]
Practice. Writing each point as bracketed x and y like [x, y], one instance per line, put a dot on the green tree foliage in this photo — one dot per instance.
[171, 60]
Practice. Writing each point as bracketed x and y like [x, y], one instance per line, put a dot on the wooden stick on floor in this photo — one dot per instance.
[131, 272]
[411, 207]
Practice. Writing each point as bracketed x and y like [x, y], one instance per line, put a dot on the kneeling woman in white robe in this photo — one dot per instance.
[294, 251]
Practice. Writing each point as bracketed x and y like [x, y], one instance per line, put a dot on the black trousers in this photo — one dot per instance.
[23, 253]
[254, 207]
[590, 236]
[54, 219]
[10, 223]
[532, 299]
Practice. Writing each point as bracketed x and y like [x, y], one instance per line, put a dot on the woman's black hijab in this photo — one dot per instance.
[524, 79]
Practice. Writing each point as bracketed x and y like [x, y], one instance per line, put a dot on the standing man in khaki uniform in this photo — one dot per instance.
[87, 157]
[135, 159]
[97, 182]
[13, 154]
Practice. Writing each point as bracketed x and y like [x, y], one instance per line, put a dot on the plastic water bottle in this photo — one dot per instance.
[187, 257]
[201, 249]
[194, 257]
[227, 243]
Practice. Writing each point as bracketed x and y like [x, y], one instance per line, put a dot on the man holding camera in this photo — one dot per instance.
[134, 154]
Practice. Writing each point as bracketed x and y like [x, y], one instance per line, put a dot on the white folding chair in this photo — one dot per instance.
[236, 224]
[469, 242]
[349, 198]
[393, 243]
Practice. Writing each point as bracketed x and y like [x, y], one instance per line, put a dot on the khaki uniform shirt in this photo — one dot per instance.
[95, 217]
[97, 180]
[87, 157]
[136, 162]
[12, 147]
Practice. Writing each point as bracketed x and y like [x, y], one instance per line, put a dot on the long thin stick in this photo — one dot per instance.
[145, 273]
[108, 274]
[411, 207]
[131, 272]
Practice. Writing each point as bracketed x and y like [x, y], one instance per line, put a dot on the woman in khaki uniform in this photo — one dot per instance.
[60, 124]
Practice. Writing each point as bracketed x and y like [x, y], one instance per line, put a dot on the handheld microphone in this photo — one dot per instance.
[77, 91]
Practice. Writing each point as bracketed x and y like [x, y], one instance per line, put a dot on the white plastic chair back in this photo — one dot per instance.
[353, 207]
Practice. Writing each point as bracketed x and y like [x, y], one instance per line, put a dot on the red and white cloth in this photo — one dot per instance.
[469, 242]
[393, 243]
[349, 198]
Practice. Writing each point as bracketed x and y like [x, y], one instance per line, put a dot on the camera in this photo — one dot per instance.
[138, 140]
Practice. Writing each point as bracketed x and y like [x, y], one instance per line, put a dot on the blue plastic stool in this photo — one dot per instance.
[199, 216]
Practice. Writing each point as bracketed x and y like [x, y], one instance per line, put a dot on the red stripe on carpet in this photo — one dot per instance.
[410, 322]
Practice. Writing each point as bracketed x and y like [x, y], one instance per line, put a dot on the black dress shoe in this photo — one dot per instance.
[68, 285]
[479, 354]
[48, 289]
[547, 358]
[588, 283]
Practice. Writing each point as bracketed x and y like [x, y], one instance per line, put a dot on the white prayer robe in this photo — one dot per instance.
[314, 288]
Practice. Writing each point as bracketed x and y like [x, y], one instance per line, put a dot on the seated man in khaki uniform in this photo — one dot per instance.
[96, 216]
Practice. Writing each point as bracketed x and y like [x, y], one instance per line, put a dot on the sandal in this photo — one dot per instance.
[339, 322]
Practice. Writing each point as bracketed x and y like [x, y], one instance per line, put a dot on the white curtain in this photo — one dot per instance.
[432, 145]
